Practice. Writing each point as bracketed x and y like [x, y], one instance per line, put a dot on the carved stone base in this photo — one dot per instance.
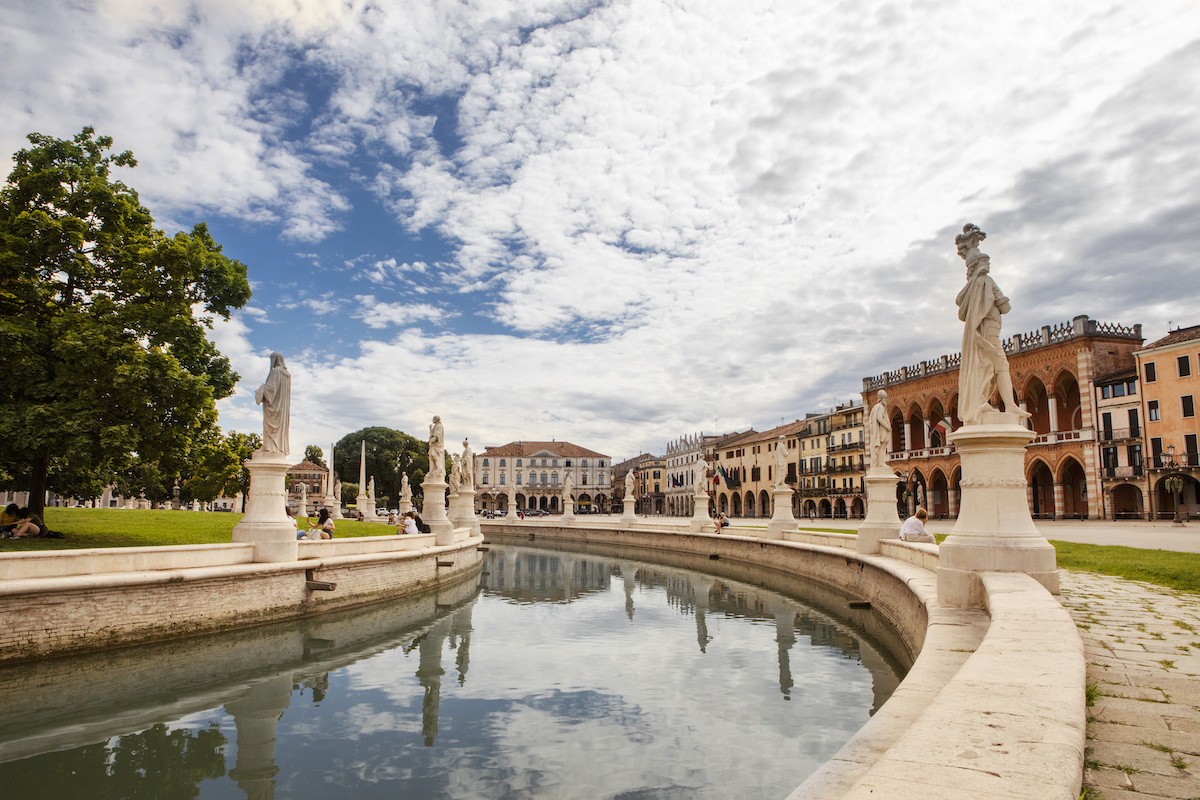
[568, 515]
[433, 511]
[882, 521]
[782, 519]
[366, 506]
[701, 522]
[994, 532]
[512, 505]
[466, 511]
[628, 517]
[266, 524]
[404, 507]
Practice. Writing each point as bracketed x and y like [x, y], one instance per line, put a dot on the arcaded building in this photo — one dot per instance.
[534, 472]
[1054, 372]
[1170, 373]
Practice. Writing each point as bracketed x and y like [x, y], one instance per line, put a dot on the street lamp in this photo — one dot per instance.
[1174, 485]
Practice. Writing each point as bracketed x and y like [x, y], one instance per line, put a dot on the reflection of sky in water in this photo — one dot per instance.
[665, 685]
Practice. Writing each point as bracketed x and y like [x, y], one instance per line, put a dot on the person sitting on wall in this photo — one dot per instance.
[29, 524]
[421, 526]
[913, 529]
[408, 524]
[321, 527]
[721, 522]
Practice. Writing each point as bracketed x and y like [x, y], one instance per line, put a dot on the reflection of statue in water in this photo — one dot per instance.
[275, 396]
[984, 368]
[437, 450]
[879, 430]
[781, 457]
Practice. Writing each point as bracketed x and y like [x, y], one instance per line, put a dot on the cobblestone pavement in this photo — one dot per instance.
[1143, 652]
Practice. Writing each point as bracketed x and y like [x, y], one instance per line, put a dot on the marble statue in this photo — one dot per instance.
[303, 499]
[275, 396]
[568, 485]
[879, 430]
[405, 490]
[337, 491]
[629, 483]
[455, 473]
[920, 495]
[701, 474]
[437, 450]
[468, 465]
[371, 489]
[781, 457]
[984, 367]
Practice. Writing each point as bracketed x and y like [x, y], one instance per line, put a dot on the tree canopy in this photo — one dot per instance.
[314, 454]
[389, 454]
[102, 321]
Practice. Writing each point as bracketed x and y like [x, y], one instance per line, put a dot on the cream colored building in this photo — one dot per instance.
[681, 474]
[534, 472]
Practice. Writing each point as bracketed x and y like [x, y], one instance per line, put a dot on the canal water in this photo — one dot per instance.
[552, 674]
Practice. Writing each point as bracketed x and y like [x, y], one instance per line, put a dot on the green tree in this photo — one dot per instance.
[314, 454]
[390, 453]
[108, 366]
[349, 493]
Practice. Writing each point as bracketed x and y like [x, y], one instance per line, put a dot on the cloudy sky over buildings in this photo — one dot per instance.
[618, 222]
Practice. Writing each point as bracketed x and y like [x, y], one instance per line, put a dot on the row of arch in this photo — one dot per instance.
[748, 505]
[584, 502]
[1058, 408]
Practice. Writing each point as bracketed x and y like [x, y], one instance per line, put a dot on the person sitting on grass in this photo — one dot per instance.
[321, 527]
[9, 517]
[408, 524]
[29, 524]
[913, 529]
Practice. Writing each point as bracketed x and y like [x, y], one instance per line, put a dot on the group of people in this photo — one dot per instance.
[320, 527]
[411, 523]
[20, 523]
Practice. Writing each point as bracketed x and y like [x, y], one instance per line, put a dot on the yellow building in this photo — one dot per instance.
[1170, 373]
[650, 485]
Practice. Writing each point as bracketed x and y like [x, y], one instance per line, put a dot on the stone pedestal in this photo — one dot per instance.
[568, 515]
[994, 532]
[700, 522]
[882, 522]
[628, 517]
[266, 524]
[366, 506]
[512, 505]
[467, 518]
[782, 519]
[433, 510]
[405, 506]
[335, 507]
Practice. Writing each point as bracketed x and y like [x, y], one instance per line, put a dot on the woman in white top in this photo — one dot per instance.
[913, 529]
[410, 524]
[322, 527]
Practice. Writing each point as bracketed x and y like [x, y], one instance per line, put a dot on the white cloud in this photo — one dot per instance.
[379, 314]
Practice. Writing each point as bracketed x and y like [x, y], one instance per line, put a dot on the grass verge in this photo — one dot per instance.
[1161, 567]
[118, 527]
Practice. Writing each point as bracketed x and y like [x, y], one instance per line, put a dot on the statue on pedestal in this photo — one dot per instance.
[371, 489]
[781, 457]
[701, 475]
[629, 483]
[337, 491]
[455, 473]
[879, 430]
[568, 485]
[275, 396]
[984, 367]
[405, 490]
[468, 466]
[303, 499]
[437, 450]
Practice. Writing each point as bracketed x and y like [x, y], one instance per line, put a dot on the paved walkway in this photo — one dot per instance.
[1143, 651]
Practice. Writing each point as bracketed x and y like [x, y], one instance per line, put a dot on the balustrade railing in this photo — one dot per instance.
[1134, 471]
[1117, 434]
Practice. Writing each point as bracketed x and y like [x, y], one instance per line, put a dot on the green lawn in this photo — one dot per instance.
[116, 527]
[1161, 567]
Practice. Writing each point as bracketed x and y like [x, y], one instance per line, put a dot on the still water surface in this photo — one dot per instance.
[553, 675]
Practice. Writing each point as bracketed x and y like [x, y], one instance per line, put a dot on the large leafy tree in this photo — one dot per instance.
[390, 453]
[314, 454]
[102, 322]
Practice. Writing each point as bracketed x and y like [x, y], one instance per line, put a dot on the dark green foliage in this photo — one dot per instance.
[389, 453]
[105, 358]
[314, 454]
[156, 763]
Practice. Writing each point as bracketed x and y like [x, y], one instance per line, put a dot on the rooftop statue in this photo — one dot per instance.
[984, 368]
[275, 396]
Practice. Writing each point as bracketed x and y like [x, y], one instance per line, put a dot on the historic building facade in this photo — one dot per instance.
[534, 472]
[680, 460]
[1053, 372]
[649, 484]
[1170, 378]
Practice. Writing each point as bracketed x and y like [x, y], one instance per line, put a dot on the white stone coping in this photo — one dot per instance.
[23, 565]
[110, 580]
[358, 545]
[992, 708]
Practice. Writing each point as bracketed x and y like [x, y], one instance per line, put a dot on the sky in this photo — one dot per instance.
[615, 223]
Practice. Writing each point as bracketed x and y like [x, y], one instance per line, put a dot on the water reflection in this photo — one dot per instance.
[579, 688]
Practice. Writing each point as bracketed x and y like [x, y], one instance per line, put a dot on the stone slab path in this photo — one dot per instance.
[1143, 653]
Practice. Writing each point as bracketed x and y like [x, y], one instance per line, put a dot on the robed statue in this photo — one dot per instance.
[781, 457]
[629, 483]
[371, 489]
[455, 473]
[468, 465]
[405, 489]
[879, 430]
[437, 450]
[275, 396]
[984, 368]
[701, 476]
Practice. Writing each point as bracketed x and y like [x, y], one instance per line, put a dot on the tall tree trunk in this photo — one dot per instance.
[37, 483]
